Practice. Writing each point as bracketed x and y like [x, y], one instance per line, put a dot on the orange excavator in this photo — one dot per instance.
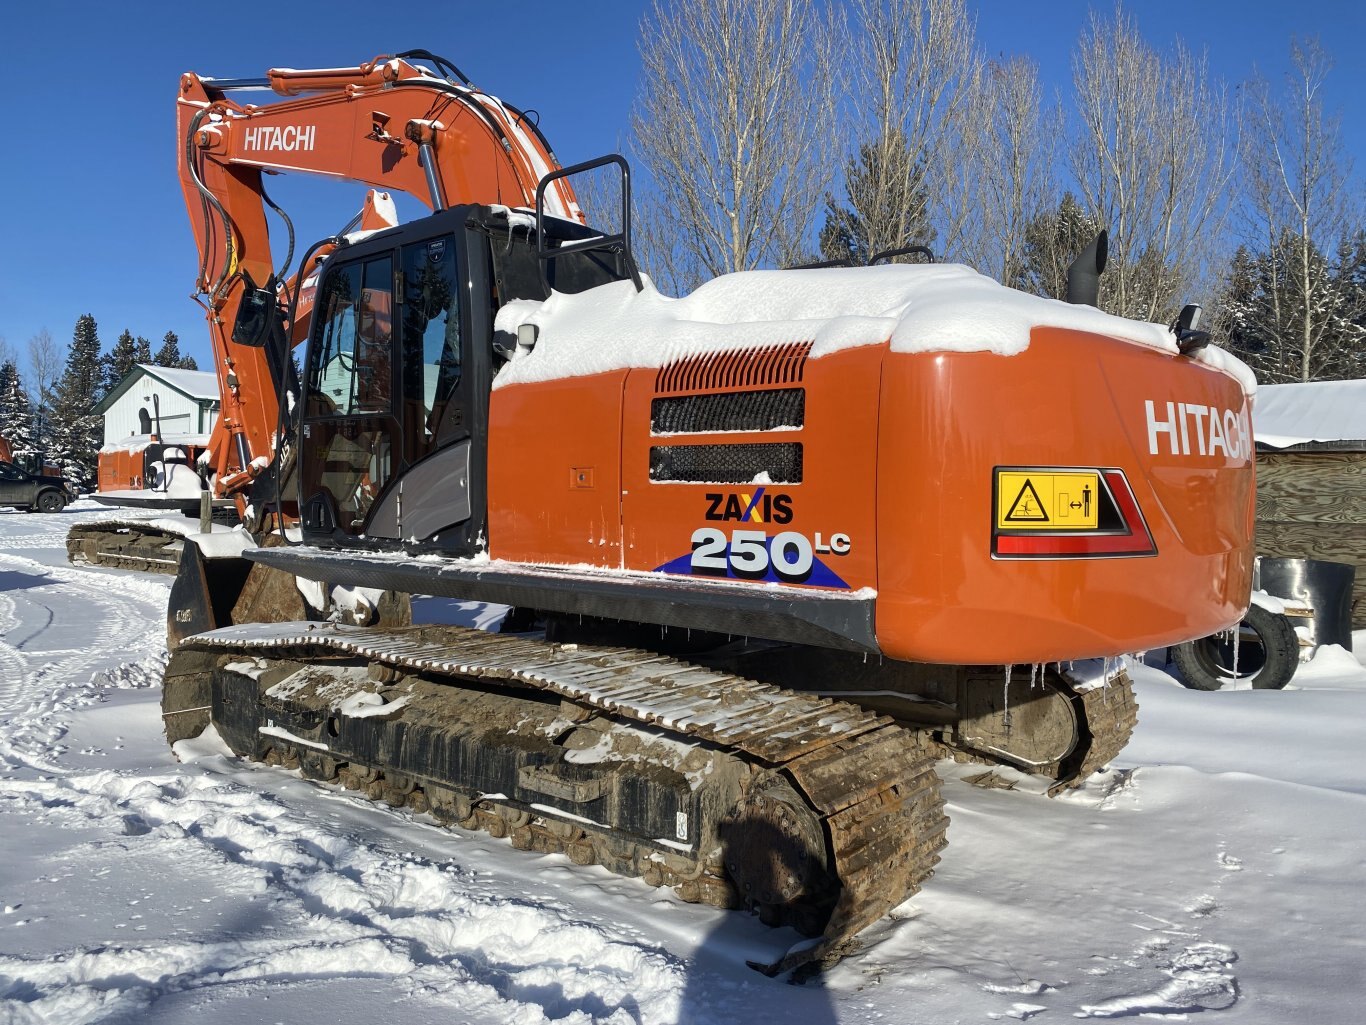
[771, 549]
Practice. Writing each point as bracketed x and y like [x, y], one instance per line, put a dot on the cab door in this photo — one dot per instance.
[391, 449]
[349, 433]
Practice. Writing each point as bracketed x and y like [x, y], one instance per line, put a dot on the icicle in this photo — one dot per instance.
[1005, 712]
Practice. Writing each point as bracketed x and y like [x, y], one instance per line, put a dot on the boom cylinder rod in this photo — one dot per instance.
[225, 84]
[243, 452]
[428, 160]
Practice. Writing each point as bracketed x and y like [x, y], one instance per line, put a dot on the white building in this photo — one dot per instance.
[186, 399]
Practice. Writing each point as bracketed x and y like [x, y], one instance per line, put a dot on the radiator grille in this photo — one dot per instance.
[729, 411]
[751, 368]
[727, 464]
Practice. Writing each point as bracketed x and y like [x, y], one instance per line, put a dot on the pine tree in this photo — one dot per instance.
[1268, 296]
[76, 433]
[142, 350]
[885, 204]
[1052, 242]
[169, 353]
[16, 413]
[118, 363]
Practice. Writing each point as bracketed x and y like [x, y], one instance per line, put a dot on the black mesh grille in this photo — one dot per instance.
[726, 464]
[732, 411]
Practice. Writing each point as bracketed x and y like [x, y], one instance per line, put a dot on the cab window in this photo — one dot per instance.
[432, 358]
[352, 364]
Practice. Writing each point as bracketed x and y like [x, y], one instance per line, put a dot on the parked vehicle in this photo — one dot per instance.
[43, 492]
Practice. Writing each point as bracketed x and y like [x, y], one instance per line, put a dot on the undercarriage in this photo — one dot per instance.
[815, 804]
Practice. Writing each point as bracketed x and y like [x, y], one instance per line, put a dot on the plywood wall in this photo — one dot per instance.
[1313, 505]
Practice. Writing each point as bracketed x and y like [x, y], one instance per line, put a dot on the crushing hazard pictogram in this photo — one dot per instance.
[1027, 507]
[1045, 498]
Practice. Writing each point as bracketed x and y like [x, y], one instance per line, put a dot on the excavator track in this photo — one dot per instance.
[124, 545]
[831, 817]
[1104, 713]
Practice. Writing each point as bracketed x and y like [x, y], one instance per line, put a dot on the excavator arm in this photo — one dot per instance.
[388, 123]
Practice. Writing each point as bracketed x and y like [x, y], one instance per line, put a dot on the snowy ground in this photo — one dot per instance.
[1219, 870]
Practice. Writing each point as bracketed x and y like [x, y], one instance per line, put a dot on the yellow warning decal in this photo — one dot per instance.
[1047, 500]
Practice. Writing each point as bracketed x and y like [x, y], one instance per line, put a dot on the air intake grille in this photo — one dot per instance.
[729, 411]
[727, 464]
[751, 368]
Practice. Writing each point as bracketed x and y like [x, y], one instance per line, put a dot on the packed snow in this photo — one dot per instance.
[1214, 873]
[925, 308]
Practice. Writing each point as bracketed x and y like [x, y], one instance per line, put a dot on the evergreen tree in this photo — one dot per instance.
[16, 412]
[1268, 296]
[169, 353]
[118, 363]
[885, 204]
[142, 351]
[75, 433]
[1052, 241]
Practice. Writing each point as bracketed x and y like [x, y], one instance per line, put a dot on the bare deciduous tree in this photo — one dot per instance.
[45, 360]
[1153, 160]
[909, 90]
[735, 125]
[1299, 204]
[1007, 173]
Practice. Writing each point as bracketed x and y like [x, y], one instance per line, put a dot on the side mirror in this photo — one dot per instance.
[1189, 338]
[255, 313]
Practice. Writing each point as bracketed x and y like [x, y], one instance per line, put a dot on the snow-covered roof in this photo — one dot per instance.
[924, 308]
[197, 384]
[1330, 412]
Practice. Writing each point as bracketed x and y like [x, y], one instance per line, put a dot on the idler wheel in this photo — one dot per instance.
[774, 851]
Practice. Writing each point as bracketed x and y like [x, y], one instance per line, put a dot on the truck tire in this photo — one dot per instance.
[1267, 653]
[51, 502]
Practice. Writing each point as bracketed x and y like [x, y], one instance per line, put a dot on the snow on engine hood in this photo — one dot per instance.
[926, 308]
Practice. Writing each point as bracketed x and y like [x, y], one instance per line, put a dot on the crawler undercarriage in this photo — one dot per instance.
[817, 812]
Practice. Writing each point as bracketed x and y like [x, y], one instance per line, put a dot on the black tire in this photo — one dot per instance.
[1267, 653]
[51, 502]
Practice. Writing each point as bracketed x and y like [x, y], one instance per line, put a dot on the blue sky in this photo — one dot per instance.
[93, 215]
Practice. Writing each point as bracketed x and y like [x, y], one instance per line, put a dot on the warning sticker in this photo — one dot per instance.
[1047, 500]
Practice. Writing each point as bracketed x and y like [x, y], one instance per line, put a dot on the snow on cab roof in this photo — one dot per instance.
[917, 308]
[1313, 411]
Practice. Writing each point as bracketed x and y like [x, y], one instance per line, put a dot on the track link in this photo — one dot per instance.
[870, 783]
[123, 546]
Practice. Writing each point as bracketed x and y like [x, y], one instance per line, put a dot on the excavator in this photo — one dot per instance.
[770, 550]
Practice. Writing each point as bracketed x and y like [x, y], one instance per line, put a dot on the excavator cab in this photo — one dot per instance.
[401, 358]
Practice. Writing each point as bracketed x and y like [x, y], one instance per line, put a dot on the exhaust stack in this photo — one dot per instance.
[1083, 274]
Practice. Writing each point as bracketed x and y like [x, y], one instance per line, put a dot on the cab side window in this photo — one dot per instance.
[352, 371]
[432, 355]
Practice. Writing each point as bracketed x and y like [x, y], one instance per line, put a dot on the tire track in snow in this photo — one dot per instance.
[433, 928]
[122, 617]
